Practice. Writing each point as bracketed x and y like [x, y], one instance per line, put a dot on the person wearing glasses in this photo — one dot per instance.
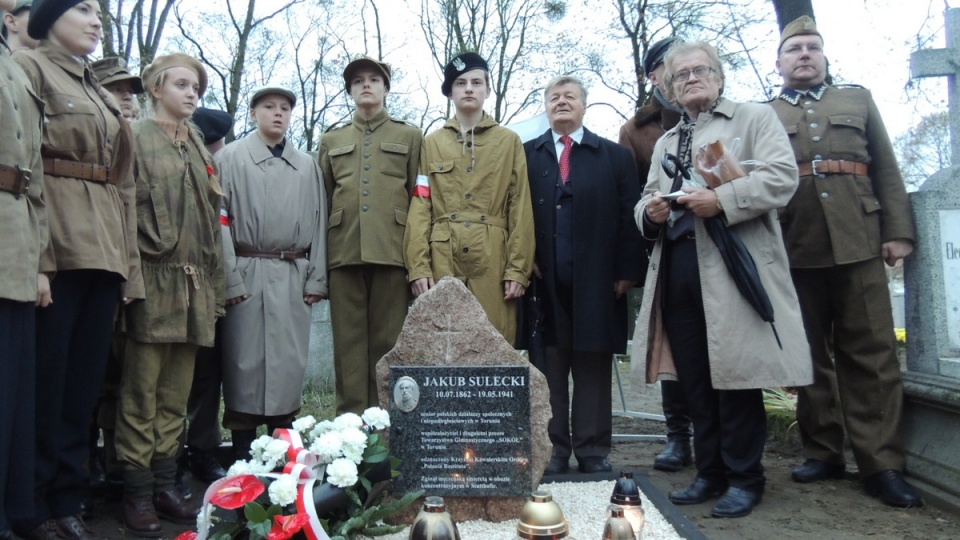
[694, 323]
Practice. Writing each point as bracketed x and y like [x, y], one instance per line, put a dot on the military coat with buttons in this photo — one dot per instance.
[841, 218]
[23, 219]
[93, 225]
[178, 227]
[369, 168]
[477, 222]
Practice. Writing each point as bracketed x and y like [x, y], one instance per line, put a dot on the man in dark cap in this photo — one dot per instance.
[640, 134]
[214, 126]
[849, 216]
[369, 167]
[113, 75]
[14, 27]
[470, 216]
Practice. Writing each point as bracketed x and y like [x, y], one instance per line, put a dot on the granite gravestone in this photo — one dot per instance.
[932, 282]
[467, 426]
[447, 328]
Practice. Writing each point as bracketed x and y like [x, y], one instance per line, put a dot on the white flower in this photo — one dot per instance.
[328, 446]
[276, 450]
[257, 447]
[322, 427]
[283, 490]
[376, 418]
[304, 424]
[354, 442]
[342, 473]
[239, 467]
[347, 421]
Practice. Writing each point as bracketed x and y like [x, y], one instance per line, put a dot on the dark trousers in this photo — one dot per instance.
[73, 339]
[17, 376]
[729, 426]
[859, 387]
[586, 428]
[203, 407]
[675, 410]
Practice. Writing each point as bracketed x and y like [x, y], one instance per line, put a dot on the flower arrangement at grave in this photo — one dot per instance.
[323, 480]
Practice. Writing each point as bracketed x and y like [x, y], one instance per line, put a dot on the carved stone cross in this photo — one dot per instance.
[945, 63]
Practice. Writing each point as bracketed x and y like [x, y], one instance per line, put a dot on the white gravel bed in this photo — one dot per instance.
[584, 506]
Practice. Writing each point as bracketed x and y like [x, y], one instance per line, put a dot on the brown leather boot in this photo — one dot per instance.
[140, 517]
[171, 506]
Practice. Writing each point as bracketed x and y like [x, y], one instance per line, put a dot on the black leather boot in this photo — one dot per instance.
[242, 439]
[677, 453]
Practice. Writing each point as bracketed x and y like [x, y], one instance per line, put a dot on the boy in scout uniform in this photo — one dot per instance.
[471, 216]
[23, 228]
[369, 168]
[849, 216]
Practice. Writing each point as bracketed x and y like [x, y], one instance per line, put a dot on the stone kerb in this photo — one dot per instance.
[447, 327]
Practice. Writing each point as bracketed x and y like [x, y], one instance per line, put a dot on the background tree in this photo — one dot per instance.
[924, 149]
[121, 26]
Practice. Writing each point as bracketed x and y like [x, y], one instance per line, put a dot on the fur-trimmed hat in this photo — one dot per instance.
[459, 65]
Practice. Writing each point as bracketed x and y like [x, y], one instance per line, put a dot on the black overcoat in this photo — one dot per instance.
[607, 245]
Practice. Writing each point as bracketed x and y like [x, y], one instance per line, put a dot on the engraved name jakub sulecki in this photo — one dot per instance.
[478, 386]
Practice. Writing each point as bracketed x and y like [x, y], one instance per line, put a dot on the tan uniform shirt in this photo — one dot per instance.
[841, 218]
[23, 220]
[369, 169]
[92, 225]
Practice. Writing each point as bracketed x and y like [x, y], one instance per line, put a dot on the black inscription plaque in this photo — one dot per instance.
[462, 431]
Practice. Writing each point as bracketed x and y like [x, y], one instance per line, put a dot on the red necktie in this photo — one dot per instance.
[565, 158]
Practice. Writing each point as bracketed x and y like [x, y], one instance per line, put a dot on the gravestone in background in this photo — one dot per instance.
[932, 276]
[446, 328]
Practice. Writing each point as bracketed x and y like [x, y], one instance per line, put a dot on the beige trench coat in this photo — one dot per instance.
[742, 349]
[271, 204]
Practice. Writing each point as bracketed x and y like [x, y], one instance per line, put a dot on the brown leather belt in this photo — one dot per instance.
[91, 172]
[14, 180]
[282, 255]
[832, 166]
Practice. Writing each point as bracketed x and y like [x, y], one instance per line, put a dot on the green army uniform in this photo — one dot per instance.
[850, 201]
[476, 221]
[369, 168]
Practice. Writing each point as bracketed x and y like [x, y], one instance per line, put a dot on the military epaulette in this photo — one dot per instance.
[338, 125]
[849, 86]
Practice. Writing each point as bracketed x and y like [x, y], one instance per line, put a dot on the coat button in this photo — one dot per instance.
[559, 207]
[808, 103]
[453, 217]
[814, 125]
[365, 208]
[540, 201]
[365, 193]
[466, 250]
[468, 196]
[824, 195]
[394, 147]
[818, 156]
[366, 180]
[366, 167]
[469, 169]
[366, 143]
[811, 111]
[69, 105]
[368, 132]
[815, 138]
[366, 154]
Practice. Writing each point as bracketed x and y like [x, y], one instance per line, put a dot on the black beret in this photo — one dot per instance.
[213, 124]
[461, 64]
[655, 53]
[43, 13]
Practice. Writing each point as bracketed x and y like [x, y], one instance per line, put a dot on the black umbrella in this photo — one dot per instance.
[735, 254]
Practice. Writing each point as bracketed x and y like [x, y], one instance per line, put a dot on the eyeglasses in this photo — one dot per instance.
[699, 72]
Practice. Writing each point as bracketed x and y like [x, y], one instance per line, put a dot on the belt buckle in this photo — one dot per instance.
[23, 180]
[286, 255]
[813, 166]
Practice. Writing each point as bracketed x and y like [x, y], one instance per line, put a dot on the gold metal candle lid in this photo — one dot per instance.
[541, 518]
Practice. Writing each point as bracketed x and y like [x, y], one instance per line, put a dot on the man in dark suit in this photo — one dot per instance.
[589, 254]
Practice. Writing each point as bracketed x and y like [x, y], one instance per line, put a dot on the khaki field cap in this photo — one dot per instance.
[365, 62]
[113, 70]
[162, 63]
[272, 89]
[801, 26]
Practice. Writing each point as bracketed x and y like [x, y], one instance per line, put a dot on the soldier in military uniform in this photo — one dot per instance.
[640, 134]
[849, 216]
[471, 216]
[14, 26]
[369, 169]
[23, 227]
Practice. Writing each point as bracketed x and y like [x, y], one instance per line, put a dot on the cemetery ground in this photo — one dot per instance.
[823, 511]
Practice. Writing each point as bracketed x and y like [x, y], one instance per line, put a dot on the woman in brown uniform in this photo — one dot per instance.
[91, 260]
